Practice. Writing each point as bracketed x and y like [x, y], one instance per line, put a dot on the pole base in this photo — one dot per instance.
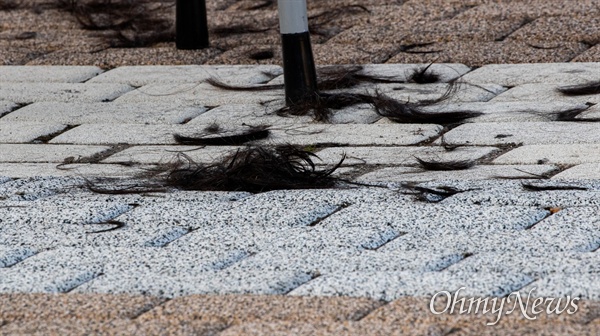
[299, 71]
[191, 25]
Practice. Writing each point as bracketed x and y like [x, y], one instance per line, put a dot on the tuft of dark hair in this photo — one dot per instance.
[445, 165]
[581, 89]
[253, 169]
[534, 187]
[423, 76]
[251, 134]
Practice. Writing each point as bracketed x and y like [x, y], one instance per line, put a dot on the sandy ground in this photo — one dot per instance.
[473, 32]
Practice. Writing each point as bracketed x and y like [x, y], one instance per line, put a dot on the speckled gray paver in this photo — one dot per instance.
[532, 264]
[45, 153]
[195, 93]
[10, 255]
[406, 156]
[6, 106]
[392, 285]
[402, 72]
[223, 282]
[528, 133]
[460, 92]
[582, 285]
[399, 134]
[61, 92]
[554, 154]
[32, 188]
[104, 113]
[21, 170]
[164, 154]
[357, 135]
[586, 171]
[517, 195]
[517, 111]
[144, 75]
[251, 114]
[19, 132]
[483, 172]
[48, 74]
[543, 92]
[545, 73]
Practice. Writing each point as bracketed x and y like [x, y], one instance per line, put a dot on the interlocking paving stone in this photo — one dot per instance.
[581, 285]
[582, 171]
[510, 111]
[460, 92]
[99, 113]
[398, 134]
[389, 286]
[248, 308]
[400, 156]
[542, 92]
[164, 154]
[45, 153]
[32, 188]
[72, 307]
[530, 133]
[402, 72]
[16, 132]
[536, 265]
[132, 134]
[223, 282]
[349, 328]
[327, 262]
[417, 217]
[111, 327]
[61, 92]
[48, 74]
[194, 93]
[359, 135]
[398, 174]
[554, 154]
[542, 73]
[24, 170]
[251, 114]
[13, 280]
[10, 255]
[519, 196]
[140, 76]
[6, 106]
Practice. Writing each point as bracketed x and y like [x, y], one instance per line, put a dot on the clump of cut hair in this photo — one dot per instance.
[581, 89]
[334, 77]
[424, 76]
[534, 187]
[445, 165]
[252, 169]
[434, 194]
[253, 133]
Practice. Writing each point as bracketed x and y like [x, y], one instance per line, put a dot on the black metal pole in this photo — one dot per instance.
[299, 74]
[191, 26]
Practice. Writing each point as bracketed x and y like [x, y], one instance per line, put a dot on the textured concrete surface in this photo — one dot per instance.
[357, 261]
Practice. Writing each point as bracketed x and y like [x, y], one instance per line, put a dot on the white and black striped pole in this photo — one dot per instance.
[299, 72]
[191, 27]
